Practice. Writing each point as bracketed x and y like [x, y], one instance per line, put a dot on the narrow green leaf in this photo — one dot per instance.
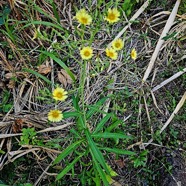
[102, 123]
[37, 74]
[68, 168]
[113, 125]
[70, 114]
[99, 169]
[95, 151]
[81, 123]
[118, 151]
[43, 23]
[67, 151]
[75, 101]
[55, 12]
[111, 135]
[95, 107]
[57, 60]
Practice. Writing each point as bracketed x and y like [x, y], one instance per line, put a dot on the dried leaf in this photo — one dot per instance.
[120, 163]
[17, 126]
[43, 69]
[16, 74]
[64, 78]
[11, 84]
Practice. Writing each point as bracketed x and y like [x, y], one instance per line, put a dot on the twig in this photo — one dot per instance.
[169, 80]
[41, 131]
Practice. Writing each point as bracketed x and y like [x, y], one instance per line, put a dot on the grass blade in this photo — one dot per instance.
[111, 135]
[68, 168]
[114, 125]
[70, 114]
[55, 12]
[45, 23]
[99, 169]
[95, 107]
[96, 152]
[118, 151]
[57, 60]
[67, 151]
[102, 123]
[37, 74]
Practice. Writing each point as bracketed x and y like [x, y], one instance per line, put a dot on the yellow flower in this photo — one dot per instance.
[55, 115]
[117, 44]
[112, 15]
[59, 94]
[110, 52]
[133, 54]
[86, 52]
[83, 17]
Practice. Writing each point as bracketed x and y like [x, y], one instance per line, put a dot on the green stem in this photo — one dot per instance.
[82, 85]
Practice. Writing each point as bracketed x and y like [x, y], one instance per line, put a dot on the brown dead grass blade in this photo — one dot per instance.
[161, 41]
[169, 80]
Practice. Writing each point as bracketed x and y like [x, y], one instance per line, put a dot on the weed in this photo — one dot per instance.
[29, 137]
[6, 104]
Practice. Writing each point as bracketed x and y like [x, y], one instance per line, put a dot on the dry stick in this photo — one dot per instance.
[41, 131]
[43, 173]
[25, 152]
[55, 128]
[161, 41]
[179, 105]
[169, 80]
[52, 63]
[135, 16]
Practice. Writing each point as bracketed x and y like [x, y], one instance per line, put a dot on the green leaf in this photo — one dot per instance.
[67, 151]
[94, 108]
[37, 74]
[114, 125]
[2, 152]
[75, 101]
[1, 21]
[57, 60]
[102, 123]
[168, 36]
[68, 168]
[111, 135]
[95, 151]
[99, 169]
[70, 114]
[6, 12]
[55, 12]
[7, 107]
[118, 151]
[45, 23]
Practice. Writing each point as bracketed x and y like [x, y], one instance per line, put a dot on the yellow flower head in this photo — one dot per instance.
[118, 44]
[86, 52]
[59, 94]
[83, 17]
[133, 54]
[110, 52]
[112, 15]
[55, 115]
